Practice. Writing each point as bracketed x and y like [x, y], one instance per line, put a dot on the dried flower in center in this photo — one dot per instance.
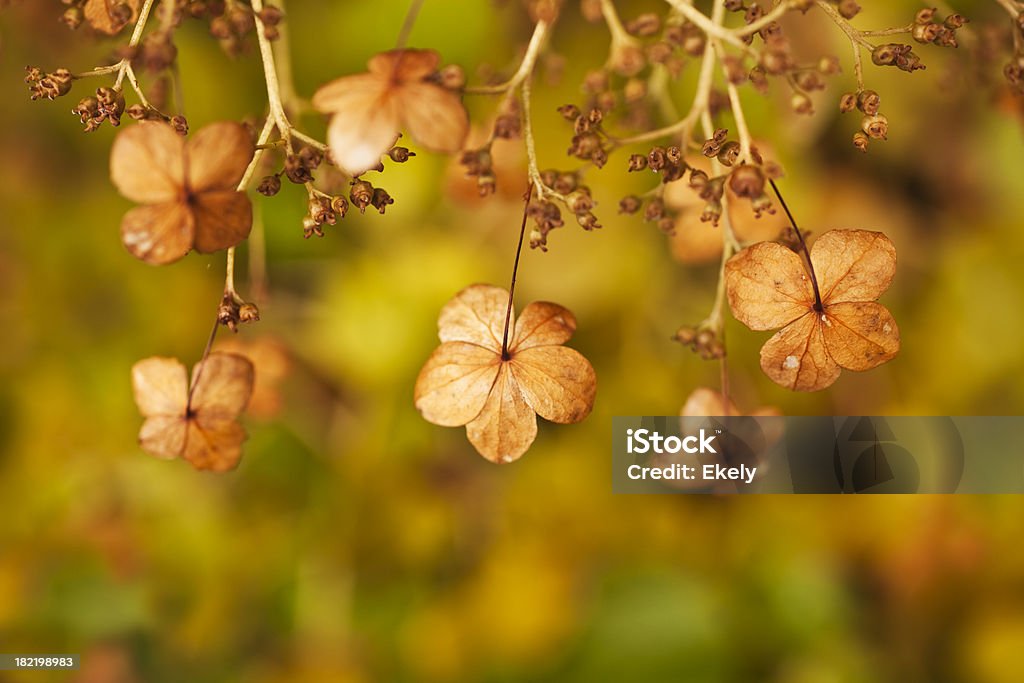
[401, 91]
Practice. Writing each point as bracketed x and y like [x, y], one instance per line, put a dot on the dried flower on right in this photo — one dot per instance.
[828, 315]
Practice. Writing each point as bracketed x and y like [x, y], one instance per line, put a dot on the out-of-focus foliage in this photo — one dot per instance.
[356, 541]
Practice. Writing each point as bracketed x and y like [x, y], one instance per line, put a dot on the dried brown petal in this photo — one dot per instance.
[853, 265]
[453, 385]
[796, 357]
[475, 315]
[204, 431]
[542, 323]
[860, 335]
[434, 116]
[507, 426]
[158, 233]
[217, 156]
[556, 381]
[364, 123]
[767, 286]
[147, 163]
[98, 14]
[222, 219]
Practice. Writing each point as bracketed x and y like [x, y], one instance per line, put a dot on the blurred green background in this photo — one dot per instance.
[357, 542]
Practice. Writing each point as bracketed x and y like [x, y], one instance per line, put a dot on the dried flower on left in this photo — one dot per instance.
[197, 421]
[187, 189]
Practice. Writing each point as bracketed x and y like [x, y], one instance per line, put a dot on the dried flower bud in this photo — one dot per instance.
[296, 171]
[729, 153]
[644, 25]
[579, 201]
[876, 126]
[868, 101]
[248, 313]
[637, 162]
[627, 60]
[847, 103]
[848, 8]
[712, 212]
[400, 154]
[587, 221]
[570, 112]
[180, 124]
[925, 16]
[656, 158]
[565, 183]
[629, 204]
[801, 103]
[747, 181]
[667, 225]
[829, 66]
[654, 210]
[452, 77]
[339, 205]
[381, 199]
[926, 33]
[271, 15]
[361, 195]
[73, 17]
[269, 185]
[762, 204]
[954, 21]
[860, 141]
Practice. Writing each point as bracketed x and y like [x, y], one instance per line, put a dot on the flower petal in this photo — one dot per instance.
[434, 116]
[222, 385]
[506, 426]
[476, 315]
[158, 233]
[97, 14]
[542, 323]
[404, 66]
[557, 382]
[704, 402]
[223, 218]
[365, 122]
[160, 386]
[163, 436]
[217, 156]
[146, 163]
[853, 265]
[860, 335]
[796, 357]
[214, 443]
[454, 383]
[767, 286]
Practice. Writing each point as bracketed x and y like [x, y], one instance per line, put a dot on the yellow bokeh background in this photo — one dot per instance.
[357, 542]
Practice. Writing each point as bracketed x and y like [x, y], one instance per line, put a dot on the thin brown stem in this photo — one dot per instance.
[803, 246]
[515, 268]
[199, 373]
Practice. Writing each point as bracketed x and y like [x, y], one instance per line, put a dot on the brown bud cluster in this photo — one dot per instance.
[107, 105]
[929, 28]
[667, 162]
[702, 341]
[48, 85]
[873, 125]
[232, 311]
[897, 54]
[588, 141]
[547, 217]
[479, 164]
[362, 194]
